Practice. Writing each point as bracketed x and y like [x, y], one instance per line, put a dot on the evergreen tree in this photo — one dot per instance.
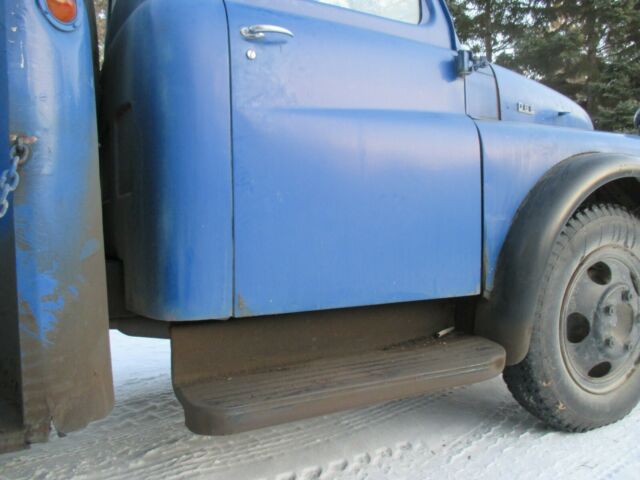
[618, 89]
[489, 26]
[586, 49]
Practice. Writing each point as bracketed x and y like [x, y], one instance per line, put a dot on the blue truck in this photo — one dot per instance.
[323, 204]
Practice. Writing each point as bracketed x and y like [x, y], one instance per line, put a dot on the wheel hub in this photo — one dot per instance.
[600, 330]
[615, 324]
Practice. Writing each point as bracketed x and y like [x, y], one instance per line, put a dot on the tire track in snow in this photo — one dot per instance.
[476, 431]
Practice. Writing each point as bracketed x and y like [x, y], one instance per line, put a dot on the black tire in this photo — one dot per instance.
[588, 312]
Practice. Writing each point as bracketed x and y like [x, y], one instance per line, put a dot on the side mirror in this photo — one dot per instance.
[468, 62]
[465, 62]
[636, 120]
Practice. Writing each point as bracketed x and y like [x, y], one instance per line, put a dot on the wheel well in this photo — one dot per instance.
[624, 192]
[507, 313]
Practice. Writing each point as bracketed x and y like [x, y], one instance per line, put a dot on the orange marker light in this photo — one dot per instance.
[63, 10]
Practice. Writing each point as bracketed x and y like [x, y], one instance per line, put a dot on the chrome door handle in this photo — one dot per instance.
[257, 32]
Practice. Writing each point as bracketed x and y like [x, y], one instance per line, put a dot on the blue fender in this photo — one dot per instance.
[506, 315]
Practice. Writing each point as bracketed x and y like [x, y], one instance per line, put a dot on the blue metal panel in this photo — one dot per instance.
[356, 170]
[516, 156]
[525, 100]
[56, 218]
[168, 151]
[481, 93]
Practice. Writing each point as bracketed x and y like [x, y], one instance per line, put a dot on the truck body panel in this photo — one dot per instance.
[314, 181]
[342, 181]
[523, 100]
[166, 132]
[516, 156]
[52, 269]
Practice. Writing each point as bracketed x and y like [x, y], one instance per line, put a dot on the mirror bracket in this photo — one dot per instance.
[468, 62]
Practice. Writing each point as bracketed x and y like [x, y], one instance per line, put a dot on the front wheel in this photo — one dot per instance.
[581, 371]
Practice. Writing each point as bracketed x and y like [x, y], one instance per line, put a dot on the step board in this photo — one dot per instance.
[248, 402]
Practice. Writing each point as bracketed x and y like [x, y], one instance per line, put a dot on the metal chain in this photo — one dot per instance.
[10, 178]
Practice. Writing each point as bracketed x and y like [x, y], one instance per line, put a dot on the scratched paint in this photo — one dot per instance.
[51, 301]
[44, 302]
[65, 374]
[91, 247]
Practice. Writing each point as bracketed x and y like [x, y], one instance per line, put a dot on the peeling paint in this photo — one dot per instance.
[90, 248]
[29, 324]
[60, 298]
[244, 311]
[26, 139]
[45, 306]
[51, 302]
[33, 335]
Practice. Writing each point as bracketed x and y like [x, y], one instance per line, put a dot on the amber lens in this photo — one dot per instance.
[63, 10]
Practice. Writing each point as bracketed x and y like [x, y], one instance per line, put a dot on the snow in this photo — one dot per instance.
[470, 432]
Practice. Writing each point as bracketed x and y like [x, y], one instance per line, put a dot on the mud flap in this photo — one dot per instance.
[55, 369]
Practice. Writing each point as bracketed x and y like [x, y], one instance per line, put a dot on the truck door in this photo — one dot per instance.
[356, 170]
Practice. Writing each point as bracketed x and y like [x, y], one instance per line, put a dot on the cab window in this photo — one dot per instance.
[407, 11]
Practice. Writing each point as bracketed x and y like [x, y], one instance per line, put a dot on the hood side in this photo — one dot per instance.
[528, 101]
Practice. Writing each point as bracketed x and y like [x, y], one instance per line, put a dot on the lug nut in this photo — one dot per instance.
[627, 347]
[627, 296]
[609, 310]
[609, 342]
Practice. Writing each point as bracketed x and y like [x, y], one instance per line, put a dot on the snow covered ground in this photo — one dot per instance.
[472, 432]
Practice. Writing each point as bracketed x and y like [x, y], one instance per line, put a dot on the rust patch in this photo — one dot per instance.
[244, 311]
[35, 408]
[26, 139]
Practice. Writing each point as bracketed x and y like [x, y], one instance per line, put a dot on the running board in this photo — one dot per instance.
[238, 403]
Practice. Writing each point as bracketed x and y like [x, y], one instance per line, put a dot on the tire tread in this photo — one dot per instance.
[527, 381]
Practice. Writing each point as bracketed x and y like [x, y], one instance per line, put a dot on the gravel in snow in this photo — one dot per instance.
[471, 432]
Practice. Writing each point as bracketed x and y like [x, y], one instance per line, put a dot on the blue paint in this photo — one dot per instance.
[61, 325]
[56, 213]
[548, 106]
[43, 300]
[346, 166]
[342, 181]
[91, 247]
[50, 301]
[481, 94]
[167, 111]
[516, 156]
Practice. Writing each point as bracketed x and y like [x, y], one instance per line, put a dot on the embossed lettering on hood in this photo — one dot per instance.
[525, 100]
